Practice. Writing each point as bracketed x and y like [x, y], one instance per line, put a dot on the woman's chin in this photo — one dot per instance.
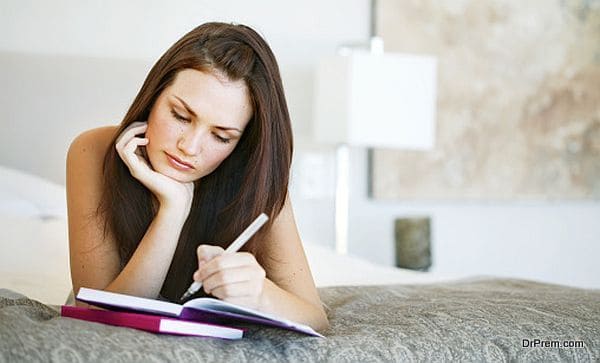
[178, 176]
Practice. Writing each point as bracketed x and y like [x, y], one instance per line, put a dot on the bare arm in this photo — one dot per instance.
[281, 283]
[94, 256]
[290, 290]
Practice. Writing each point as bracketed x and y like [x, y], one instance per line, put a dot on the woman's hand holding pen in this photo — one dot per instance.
[168, 191]
[234, 277]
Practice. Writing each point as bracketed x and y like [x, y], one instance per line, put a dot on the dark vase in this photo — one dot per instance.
[413, 243]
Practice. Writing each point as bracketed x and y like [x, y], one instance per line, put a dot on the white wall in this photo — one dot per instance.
[66, 66]
[557, 241]
[298, 32]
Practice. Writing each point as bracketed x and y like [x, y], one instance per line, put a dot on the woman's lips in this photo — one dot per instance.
[179, 164]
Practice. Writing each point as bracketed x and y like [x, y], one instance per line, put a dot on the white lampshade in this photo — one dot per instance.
[385, 100]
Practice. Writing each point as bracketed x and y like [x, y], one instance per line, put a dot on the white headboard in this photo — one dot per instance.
[45, 101]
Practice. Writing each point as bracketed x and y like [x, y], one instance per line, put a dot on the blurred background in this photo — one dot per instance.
[510, 187]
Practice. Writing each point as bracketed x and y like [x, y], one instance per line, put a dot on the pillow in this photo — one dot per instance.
[24, 194]
[34, 258]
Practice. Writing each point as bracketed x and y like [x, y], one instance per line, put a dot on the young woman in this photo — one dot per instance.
[205, 148]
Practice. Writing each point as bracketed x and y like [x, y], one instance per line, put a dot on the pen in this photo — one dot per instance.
[233, 247]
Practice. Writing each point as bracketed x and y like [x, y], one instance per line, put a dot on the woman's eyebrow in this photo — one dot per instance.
[189, 109]
[228, 128]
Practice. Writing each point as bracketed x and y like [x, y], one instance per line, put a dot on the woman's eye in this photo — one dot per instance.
[224, 140]
[179, 117]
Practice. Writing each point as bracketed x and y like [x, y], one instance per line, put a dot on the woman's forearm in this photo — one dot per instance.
[145, 272]
[277, 301]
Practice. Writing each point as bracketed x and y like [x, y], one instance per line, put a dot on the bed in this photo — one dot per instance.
[376, 313]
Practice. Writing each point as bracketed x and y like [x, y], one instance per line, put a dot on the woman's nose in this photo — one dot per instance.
[190, 142]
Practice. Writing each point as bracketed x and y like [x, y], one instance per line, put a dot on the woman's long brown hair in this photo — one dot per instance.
[251, 180]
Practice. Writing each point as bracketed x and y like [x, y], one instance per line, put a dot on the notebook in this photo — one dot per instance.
[206, 310]
[151, 323]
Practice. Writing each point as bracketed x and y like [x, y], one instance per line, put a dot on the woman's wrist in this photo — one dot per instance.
[265, 300]
[174, 212]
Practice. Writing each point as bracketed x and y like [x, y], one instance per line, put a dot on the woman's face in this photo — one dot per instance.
[196, 123]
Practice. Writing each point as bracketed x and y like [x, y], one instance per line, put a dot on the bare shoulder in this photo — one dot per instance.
[91, 145]
[85, 160]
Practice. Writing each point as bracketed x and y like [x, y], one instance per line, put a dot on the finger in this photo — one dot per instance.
[132, 146]
[124, 141]
[231, 276]
[135, 126]
[225, 261]
[208, 252]
[133, 129]
[234, 290]
[130, 132]
[128, 152]
[144, 141]
[136, 164]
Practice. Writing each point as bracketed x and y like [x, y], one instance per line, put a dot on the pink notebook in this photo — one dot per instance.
[152, 323]
[204, 309]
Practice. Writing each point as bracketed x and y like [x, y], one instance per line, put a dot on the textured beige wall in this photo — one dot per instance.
[518, 99]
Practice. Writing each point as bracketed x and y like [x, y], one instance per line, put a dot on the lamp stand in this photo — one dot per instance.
[342, 197]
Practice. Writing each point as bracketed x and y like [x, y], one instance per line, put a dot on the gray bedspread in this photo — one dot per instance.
[472, 320]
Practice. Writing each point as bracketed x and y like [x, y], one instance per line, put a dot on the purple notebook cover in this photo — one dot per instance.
[139, 321]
